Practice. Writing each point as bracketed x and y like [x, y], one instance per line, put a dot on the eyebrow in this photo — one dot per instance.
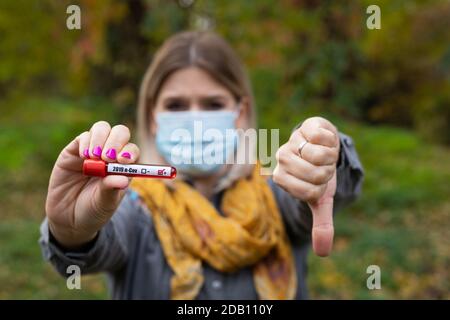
[203, 98]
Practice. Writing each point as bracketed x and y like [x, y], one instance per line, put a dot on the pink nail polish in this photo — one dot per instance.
[86, 153]
[111, 153]
[97, 151]
[126, 155]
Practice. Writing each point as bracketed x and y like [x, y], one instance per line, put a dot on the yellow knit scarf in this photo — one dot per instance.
[251, 233]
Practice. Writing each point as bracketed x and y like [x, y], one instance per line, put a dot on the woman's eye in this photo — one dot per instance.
[175, 106]
[215, 105]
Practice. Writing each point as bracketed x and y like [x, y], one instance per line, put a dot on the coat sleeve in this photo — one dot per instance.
[107, 252]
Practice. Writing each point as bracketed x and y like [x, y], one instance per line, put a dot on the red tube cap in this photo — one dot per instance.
[96, 168]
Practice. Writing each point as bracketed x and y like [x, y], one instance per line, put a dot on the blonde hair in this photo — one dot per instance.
[209, 52]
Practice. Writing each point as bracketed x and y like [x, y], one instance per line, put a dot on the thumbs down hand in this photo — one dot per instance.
[306, 168]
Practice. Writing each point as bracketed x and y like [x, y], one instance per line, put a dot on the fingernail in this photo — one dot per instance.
[86, 153]
[126, 155]
[111, 153]
[97, 151]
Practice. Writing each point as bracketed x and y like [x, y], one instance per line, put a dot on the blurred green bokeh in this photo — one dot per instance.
[389, 89]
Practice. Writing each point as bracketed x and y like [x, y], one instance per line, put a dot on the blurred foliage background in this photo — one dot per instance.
[388, 88]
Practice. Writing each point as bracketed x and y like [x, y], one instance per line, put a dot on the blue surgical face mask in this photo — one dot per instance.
[197, 143]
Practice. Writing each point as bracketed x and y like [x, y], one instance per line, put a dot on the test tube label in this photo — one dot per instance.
[151, 170]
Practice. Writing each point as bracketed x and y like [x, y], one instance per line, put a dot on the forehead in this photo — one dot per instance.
[192, 82]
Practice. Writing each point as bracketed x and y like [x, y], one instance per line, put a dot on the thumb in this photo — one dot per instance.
[322, 213]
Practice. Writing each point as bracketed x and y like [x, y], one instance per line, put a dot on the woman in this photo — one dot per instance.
[220, 230]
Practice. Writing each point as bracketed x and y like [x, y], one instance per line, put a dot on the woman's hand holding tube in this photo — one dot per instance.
[306, 168]
[78, 206]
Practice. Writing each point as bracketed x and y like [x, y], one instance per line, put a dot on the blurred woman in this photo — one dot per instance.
[221, 230]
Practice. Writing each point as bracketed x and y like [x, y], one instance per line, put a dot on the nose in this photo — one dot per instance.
[195, 107]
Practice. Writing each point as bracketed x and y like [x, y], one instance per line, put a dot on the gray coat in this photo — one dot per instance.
[128, 250]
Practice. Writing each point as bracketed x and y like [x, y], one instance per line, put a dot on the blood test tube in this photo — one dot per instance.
[100, 168]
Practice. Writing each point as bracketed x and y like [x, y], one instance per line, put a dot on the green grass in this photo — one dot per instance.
[400, 223]
[23, 273]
